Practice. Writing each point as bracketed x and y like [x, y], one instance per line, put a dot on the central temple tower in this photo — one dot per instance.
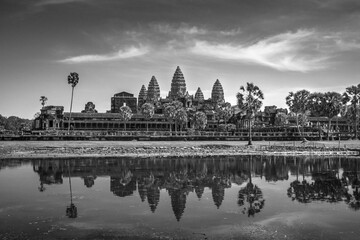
[178, 85]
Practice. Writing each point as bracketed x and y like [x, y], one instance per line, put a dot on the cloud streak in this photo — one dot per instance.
[55, 2]
[119, 55]
[289, 51]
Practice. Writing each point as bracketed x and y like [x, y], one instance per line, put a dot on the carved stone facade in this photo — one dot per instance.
[217, 93]
[178, 85]
[199, 96]
[153, 93]
[121, 99]
[51, 118]
[142, 96]
[89, 108]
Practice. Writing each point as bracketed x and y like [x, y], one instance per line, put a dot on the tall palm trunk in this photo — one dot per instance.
[250, 138]
[72, 94]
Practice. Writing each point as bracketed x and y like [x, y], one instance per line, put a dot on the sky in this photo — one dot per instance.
[118, 45]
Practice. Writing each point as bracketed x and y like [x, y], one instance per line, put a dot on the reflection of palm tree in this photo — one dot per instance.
[71, 211]
[251, 194]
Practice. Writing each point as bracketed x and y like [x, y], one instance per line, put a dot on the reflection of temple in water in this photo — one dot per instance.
[179, 177]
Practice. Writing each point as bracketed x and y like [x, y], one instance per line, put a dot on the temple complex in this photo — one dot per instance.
[54, 117]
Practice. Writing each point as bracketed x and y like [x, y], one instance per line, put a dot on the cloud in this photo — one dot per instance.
[53, 2]
[183, 29]
[191, 30]
[290, 51]
[121, 54]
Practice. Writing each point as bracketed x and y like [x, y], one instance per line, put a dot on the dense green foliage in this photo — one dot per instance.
[14, 124]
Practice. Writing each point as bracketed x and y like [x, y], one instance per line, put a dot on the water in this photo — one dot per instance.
[251, 197]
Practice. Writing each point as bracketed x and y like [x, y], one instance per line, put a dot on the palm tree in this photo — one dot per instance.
[43, 100]
[298, 103]
[73, 80]
[352, 95]
[249, 100]
[125, 114]
[147, 109]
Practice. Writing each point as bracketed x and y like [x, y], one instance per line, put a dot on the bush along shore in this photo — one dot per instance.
[169, 150]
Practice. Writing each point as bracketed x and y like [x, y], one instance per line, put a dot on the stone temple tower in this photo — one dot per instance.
[178, 85]
[199, 95]
[142, 96]
[217, 93]
[153, 93]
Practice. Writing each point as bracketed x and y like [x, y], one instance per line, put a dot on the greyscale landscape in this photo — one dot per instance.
[179, 119]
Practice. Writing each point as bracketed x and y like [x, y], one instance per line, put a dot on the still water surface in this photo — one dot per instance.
[253, 197]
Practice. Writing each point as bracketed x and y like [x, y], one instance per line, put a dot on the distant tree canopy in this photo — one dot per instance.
[14, 123]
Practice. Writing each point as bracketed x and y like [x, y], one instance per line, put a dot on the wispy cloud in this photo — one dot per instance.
[285, 52]
[187, 30]
[53, 2]
[183, 29]
[121, 54]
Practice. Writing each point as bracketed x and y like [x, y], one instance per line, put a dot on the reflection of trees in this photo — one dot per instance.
[354, 182]
[182, 176]
[89, 181]
[326, 185]
[252, 195]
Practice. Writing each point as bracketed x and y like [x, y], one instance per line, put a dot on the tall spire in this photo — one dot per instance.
[153, 93]
[199, 95]
[142, 96]
[217, 93]
[178, 85]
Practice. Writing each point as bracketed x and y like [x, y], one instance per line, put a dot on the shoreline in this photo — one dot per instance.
[139, 149]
